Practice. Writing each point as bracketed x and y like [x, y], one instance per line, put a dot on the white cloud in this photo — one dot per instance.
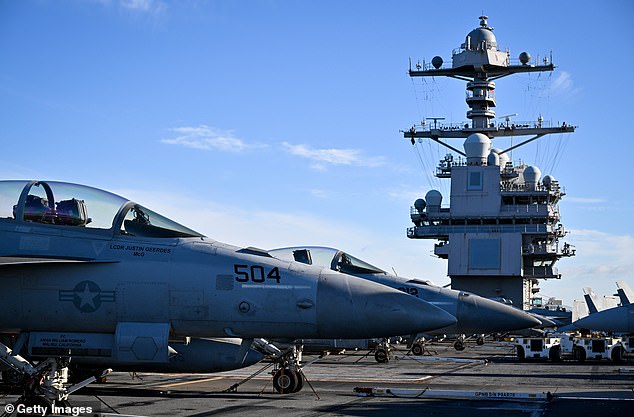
[585, 200]
[208, 138]
[333, 156]
[319, 193]
[140, 7]
[563, 84]
[144, 6]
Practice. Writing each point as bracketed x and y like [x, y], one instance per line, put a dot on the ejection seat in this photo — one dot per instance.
[72, 213]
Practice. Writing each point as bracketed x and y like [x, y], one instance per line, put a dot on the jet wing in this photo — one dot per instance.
[7, 261]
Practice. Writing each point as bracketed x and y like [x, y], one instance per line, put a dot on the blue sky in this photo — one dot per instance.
[276, 123]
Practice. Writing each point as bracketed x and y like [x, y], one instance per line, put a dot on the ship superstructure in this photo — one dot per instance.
[501, 232]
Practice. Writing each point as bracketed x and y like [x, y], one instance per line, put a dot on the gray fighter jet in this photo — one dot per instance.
[475, 314]
[84, 272]
[618, 319]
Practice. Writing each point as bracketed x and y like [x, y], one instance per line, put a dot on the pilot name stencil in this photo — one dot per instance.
[137, 250]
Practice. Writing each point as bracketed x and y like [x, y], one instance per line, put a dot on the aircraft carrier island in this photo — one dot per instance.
[501, 232]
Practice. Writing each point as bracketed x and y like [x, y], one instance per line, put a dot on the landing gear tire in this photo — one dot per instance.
[617, 354]
[285, 381]
[554, 354]
[381, 356]
[580, 354]
[417, 349]
[300, 381]
[459, 345]
[480, 341]
[521, 354]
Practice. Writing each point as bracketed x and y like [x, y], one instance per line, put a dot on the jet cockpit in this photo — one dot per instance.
[79, 206]
[325, 257]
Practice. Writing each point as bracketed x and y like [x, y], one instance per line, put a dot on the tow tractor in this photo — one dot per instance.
[538, 348]
[576, 347]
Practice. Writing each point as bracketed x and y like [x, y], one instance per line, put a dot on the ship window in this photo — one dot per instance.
[484, 254]
[475, 181]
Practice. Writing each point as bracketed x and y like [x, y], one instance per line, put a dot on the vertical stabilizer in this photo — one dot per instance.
[590, 298]
[579, 310]
[625, 293]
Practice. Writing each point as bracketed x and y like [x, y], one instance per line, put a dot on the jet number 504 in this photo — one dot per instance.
[255, 273]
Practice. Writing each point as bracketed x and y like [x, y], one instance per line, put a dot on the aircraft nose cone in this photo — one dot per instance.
[545, 321]
[353, 308]
[480, 315]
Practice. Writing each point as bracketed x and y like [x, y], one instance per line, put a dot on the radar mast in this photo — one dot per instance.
[501, 232]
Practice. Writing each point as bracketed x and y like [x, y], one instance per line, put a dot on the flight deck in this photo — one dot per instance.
[590, 388]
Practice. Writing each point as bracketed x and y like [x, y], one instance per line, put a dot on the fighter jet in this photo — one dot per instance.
[84, 272]
[619, 319]
[475, 314]
[616, 319]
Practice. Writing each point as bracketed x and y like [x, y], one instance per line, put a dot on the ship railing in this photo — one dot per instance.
[544, 249]
[549, 249]
[552, 211]
[445, 230]
[523, 187]
[530, 209]
[488, 94]
[497, 48]
[501, 125]
[541, 272]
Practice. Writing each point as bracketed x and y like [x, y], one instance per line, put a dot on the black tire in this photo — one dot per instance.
[417, 349]
[580, 354]
[617, 354]
[521, 353]
[459, 345]
[300, 381]
[285, 381]
[381, 356]
[554, 354]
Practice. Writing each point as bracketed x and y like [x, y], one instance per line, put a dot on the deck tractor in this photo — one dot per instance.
[558, 347]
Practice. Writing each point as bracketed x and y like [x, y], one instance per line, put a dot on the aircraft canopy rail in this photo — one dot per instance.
[79, 206]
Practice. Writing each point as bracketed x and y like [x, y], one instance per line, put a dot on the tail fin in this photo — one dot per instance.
[625, 293]
[579, 310]
[589, 296]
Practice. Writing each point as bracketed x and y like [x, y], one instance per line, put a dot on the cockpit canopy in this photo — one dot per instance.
[79, 206]
[331, 258]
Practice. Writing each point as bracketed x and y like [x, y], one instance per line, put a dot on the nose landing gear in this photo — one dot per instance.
[44, 385]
